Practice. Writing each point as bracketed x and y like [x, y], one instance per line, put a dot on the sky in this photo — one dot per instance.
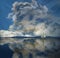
[53, 6]
[5, 22]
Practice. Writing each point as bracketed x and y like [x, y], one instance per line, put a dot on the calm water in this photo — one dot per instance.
[29, 47]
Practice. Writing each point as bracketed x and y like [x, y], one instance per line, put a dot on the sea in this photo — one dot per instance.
[29, 47]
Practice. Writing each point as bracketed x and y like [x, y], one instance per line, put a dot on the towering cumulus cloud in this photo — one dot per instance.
[33, 19]
[27, 17]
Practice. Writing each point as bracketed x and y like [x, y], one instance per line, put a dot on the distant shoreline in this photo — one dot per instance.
[32, 37]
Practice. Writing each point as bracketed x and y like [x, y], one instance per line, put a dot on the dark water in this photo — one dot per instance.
[5, 51]
[52, 48]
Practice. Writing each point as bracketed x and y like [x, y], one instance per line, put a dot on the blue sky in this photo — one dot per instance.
[6, 5]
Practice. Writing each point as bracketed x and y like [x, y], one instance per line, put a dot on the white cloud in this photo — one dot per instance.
[26, 18]
[22, 12]
[40, 29]
[6, 33]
